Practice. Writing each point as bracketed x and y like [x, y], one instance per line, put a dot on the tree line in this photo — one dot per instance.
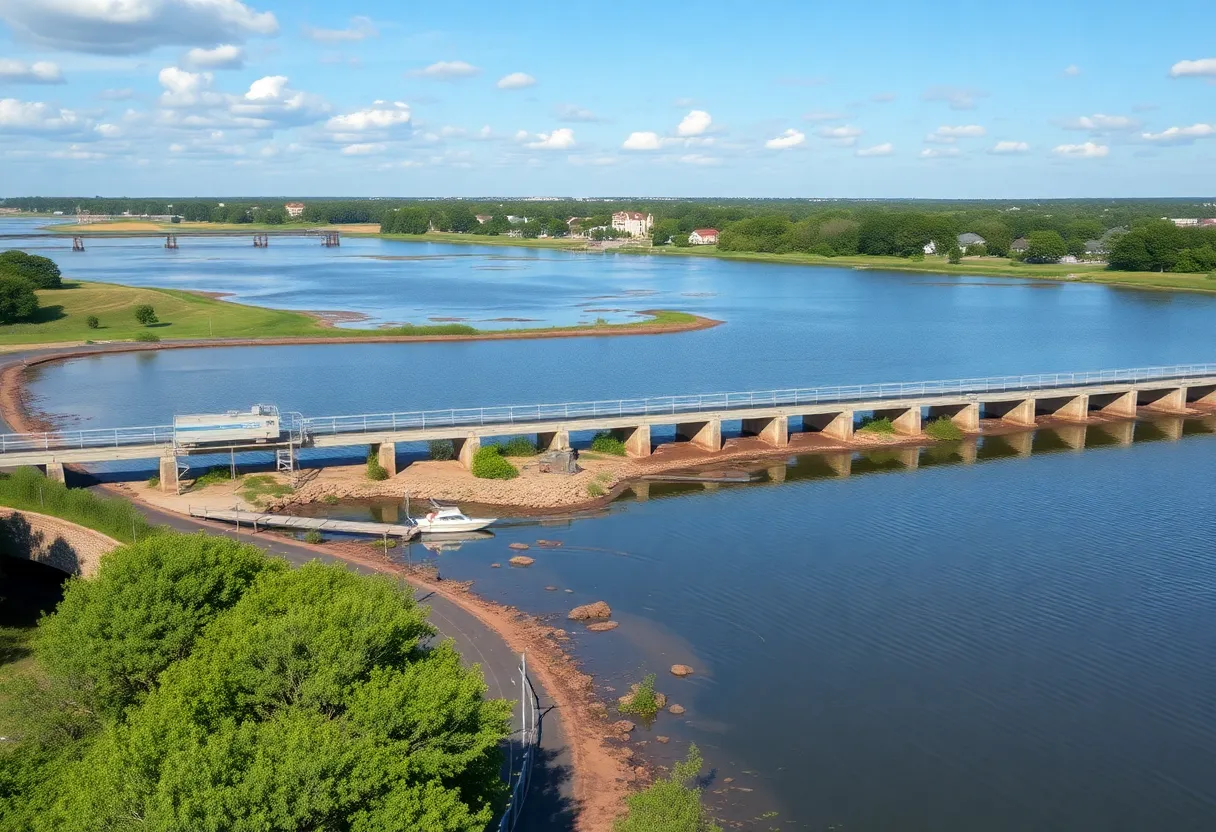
[21, 276]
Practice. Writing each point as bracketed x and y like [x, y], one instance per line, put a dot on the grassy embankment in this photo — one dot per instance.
[26, 489]
[64, 314]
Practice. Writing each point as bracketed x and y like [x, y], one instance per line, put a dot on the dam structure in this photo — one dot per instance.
[697, 419]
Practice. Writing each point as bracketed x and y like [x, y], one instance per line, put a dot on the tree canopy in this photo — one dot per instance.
[670, 804]
[42, 272]
[224, 691]
[18, 301]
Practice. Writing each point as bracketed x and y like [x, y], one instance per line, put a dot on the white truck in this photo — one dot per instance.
[260, 424]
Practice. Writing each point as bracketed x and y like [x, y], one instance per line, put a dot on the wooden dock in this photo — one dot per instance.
[256, 520]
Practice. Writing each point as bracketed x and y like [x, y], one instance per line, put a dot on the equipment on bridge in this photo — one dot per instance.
[260, 424]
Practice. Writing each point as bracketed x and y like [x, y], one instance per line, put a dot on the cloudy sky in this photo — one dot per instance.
[899, 98]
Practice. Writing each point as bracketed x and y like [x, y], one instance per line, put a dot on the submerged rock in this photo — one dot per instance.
[549, 544]
[589, 612]
[602, 626]
[681, 670]
[661, 738]
[495, 565]
[519, 547]
[676, 709]
[551, 589]
[623, 726]
[521, 560]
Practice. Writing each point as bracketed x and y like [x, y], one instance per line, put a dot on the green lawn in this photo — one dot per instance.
[484, 240]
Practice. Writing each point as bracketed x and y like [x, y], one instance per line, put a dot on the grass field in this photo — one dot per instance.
[485, 240]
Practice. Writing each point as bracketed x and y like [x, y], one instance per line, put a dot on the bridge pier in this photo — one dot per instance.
[1072, 435]
[1170, 400]
[909, 458]
[965, 416]
[1122, 432]
[637, 440]
[1014, 412]
[466, 449]
[386, 455]
[168, 474]
[834, 425]
[705, 435]
[1172, 428]
[641, 491]
[905, 419]
[773, 430]
[1114, 404]
[969, 451]
[1201, 395]
[558, 440]
[54, 471]
[1073, 408]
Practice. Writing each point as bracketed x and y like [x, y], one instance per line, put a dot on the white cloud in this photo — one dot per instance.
[642, 141]
[790, 138]
[1203, 66]
[108, 131]
[694, 124]
[1072, 70]
[117, 94]
[1009, 148]
[185, 89]
[844, 135]
[515, 81]
[1101, 123]
[1181, 135]
[572, 112]
[883, 98]
[560, 139]
[76, 152]
[226, 56]
[177, 148]
[272, 101]
[360, 28]
[36, 117]
[124, 27]
[884, 149]
[39, 72]
[699, 159]
[959, 98]
[822, 116]
[382, 115]
[1089, 150]
[939, 152]
[364, 149]
[948, 134]
[446, 71]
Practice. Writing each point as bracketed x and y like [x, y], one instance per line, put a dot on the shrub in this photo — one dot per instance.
[594, 489]
[256, 487]
[606, 443]
[154, 481]
[670, 804]
[642, 700]
[441, 450]
[145, 314]
[92, 322]
[882, 426]
[375, 471]
[518, 446]
[17, 299]
[27, 489]
[149, 337]
[313, 536]
[944, 429]
[40, 271]
[330, 499]
[212, 476]
[488, 464]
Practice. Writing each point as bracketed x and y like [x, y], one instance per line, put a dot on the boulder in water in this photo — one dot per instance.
[681, 670]
[521, 560]
[590, 612]
[676, 709]
[602, 626]
[519, 547]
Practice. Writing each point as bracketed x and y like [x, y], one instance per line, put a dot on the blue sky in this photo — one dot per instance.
[784, 99]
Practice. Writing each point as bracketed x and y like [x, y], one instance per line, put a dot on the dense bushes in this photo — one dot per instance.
[883, 426]
[489, 464]
[670, 804]
[42, 272]
[145, 314]
[518, 446]
[606, 443]
[943, 428]
[375, 471]
[441, 450]
[195, 681]
[17, 299]
[27, 489]
[1161, 246]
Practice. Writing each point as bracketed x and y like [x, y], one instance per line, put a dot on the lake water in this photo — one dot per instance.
[1022, 643]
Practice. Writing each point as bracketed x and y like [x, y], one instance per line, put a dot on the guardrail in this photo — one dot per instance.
[572, 412]
[673, 405]
[529, 712]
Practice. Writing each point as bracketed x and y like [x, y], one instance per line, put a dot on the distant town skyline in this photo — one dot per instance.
[893, 99]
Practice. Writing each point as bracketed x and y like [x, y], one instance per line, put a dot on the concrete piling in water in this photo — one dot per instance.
[705, 435]
[773, 430]
[1170, 400]
[1114, 404]
[1072, 408]
[905, 419]
[386, 455]
[1013, 412]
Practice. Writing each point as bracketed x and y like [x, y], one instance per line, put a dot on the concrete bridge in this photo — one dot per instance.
[698, 419]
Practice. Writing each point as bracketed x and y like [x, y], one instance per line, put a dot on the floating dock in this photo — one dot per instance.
[257, 520]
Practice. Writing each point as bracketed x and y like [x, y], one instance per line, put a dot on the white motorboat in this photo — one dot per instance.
[449, 520]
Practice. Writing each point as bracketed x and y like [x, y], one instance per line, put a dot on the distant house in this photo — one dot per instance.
[1207, 223]
[968, 239]
[294, 209]
[930, 247]
[1069, 259]
[1020, 245]
[633, 222]
[514, 220]
[704, 237]
[484, 218]
[1184, 222]
[1095, 247]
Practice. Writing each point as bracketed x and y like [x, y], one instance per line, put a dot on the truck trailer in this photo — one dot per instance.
[260, 424]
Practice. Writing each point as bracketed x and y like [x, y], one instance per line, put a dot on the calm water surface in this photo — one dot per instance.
[1023, 643]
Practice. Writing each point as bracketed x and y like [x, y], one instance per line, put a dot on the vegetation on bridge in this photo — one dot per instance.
[195, 681]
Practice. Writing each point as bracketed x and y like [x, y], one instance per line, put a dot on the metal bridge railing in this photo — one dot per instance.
[505, 416]
[508, 415]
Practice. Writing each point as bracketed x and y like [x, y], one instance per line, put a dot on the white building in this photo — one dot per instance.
[294, 209]
[1185, 222]
[633, 222]
[704, 237]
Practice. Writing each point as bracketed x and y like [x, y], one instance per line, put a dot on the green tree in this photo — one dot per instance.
[664, 230]
[274, 215]
[18, 301]
[1045, 247]
[92, 322]
[955, 255]
[412, 221]
[145, 314]
[42, 272]
[671, 804]
[462, 220]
